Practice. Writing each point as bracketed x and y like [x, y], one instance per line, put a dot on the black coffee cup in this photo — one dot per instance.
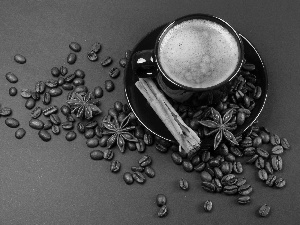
[192, 54]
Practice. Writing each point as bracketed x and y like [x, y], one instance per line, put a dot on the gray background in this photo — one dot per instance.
[57, 182]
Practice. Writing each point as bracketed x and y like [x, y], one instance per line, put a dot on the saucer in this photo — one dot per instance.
[146, 115]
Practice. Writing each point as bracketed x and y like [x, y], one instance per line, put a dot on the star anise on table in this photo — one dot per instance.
[220, 126]
[118, 131]
[83, 105]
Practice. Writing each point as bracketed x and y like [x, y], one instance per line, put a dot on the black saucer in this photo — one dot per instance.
[148, 117]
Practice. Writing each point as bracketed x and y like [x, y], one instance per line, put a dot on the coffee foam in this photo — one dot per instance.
[198, 53]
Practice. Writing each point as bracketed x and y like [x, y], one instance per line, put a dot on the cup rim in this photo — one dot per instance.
[210, 18]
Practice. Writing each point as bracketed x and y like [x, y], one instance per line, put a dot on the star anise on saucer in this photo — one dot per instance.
[220, 126]
[118, 131]
[83, 105]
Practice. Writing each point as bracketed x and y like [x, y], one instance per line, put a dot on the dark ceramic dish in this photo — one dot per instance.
[148, 117]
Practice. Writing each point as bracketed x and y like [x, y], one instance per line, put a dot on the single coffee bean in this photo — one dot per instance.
[161, 148]
[12, 122]
[209, 170]
[208, 186]
[277, 150]
[67, 125]
[284, 143]
[99, 131]
[60, 81]
[108, 154]
[264, 210]
[40, 87]
[13, 91]
[205, 176]
[145, 161]
[223, 149]
[252, 159]
[187, 166]
[280, 182]
[35, 95]
[36, 112]
[235, 151]
[46, 99]
[230, 189]
[11, 77]
[114, 72]
[260, 163]
[131, 146]
[80, 127]
[26, 93]
[91, 124]
[50, 110]
[218, 173]
[54, 118]
[74, 46]
[79, 73]
[36, 124]
[245, 189]
[246, 142]
[205, 156]
[249, 151]
[55, 72]
[269, 168]
[71, 58]
[163, 211]
[103, 141]
[78, 81]
[115, 166]
[55, 92]
[89, 133]
[107, 61]
[257, 141]
[30, 103]
[65, 110]
[262, 152]
[109, 85]
[149, 171]
[5, 111]
[20, 133]
[218, 185]
[63, 70]
[148, 139]
[97, 155]
[139, 177]
[183, 184]
[51, 83]
[262, 174]
[96, 47]
[67, 86]
[196, 160]
[92, 143]
[161, 200]
[55, 129]
[276, 162]
[213, 162]
[92, 56]
[137, 168]
[139, 132]
[237, 167]
[123, 62]
[98, 92]
[200, 167]
[243, 200]
[69, 78]
[271, 180]
[265, 137]
[240, 119]
[128, 178]
[208, 205]
[241, 181]
[224, 167]
[81, 89]
[140, 146]
[274, 139]
[47, 125]
[44, 135]
[177, 159]
[229, 179]
[19, 59]
[71, 135]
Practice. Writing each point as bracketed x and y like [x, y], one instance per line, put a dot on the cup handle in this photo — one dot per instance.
[144, 64]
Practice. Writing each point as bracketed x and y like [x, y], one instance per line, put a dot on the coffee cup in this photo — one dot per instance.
[194, 53]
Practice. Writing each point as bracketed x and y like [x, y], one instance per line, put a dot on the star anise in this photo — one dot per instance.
[83, 105]
[118, 132]
[220, 126]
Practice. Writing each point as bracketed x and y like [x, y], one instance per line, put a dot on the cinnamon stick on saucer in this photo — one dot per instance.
[187, 138]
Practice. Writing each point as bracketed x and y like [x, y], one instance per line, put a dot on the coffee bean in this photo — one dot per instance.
[196, 160]
[109, 85]
[246, 142]
[107, 61]
[183, 184]
[230, 189]
[46, 98]
[47, 125]
[249, 151]
[97, 155]
[67, 125]
[245, 189]
[149, 171]
[60, 81]
[30, 103]
[128, 178]
[140, 146]
[114, 72]
[78, 81]
[91, 124]
[13, 91]
[139, 177]
[262, 174]
[235, 151]
[244, 200]
[108, 154]
[12, 122]
[123, 62]
[36, 112]
[50, 110]
[258, 92]
[92, 143]
[209, 170]
[163, 211]
[271, 180]
[205, 156]
[148, 139]
[229, 179]
[103, 141]
[137, 169]
[260, 163]
[208, 186]
[213, 162]
[205, 176]
[70, 118]
[115, 166]
[69, 78]
[54, 118]
[55, 72]
[67, 87]
[79, 73]
[71, 58]
[71, 135]
[252, 159]
[26, 93]
[44, 135]
[240, 119]
[224, 167]
[145, 161]
[89, 133]
[268, 168]
[40, 87]
[284, 143]
[96, 47]
[241, 181]
[161, 148]
[208, 205]
[19, 59]
[55, 129]
[63, 70]
[99, 131]
[257, 141]
[5, 111]
[264, 210]
[237, 167]
[276, 162]
[74, 46]
[139, 132]
[262, 152]
[161, 200]
[200, 167]
[218, 185]
[65, 110]
[36, 124]
[187, 166]
[274, 139]
[35, 95]
[20, 133]
[277, 150]
[51, 83]
[280, 182]
[55, 92]
[92, 56]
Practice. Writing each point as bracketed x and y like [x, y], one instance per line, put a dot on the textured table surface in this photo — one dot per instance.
[57, 182]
